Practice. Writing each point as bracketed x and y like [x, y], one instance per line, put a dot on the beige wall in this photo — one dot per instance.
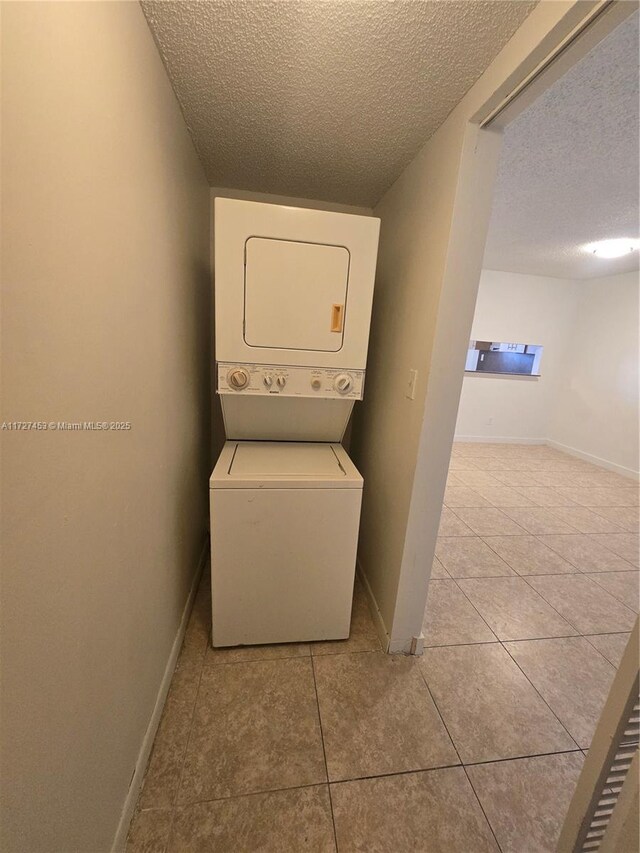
[106, 315]
[217, 428]
[596, 410]
[434, 221]
[530, 309]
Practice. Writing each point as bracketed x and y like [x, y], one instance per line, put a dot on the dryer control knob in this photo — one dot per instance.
[343, 383]
[238, 378]
[281, 381]
[268, 380]
[316, 384]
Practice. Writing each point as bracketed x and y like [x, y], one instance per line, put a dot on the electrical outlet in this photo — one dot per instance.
[411, 385]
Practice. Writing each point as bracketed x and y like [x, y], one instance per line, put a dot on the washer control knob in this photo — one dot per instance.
[316, 384]
[238, 378]
[268, 380]
[281, 381]
[343, 383]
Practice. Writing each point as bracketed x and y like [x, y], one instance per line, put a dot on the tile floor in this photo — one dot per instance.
[475, 746]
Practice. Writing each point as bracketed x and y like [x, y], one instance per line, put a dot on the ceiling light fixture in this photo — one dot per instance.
[613, 248]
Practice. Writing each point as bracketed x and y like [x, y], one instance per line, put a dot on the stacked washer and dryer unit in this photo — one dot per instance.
[293, 295]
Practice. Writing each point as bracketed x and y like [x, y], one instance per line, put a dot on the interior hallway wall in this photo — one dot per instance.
[597, 408]
[586, 400]
[217, 424]
[422, 315]
[106, 313]
[527, 309]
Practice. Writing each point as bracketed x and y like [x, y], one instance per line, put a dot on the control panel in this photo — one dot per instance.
[289, 381]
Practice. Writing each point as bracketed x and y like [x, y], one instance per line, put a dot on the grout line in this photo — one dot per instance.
[599, 588]
[243, 795]
[502, 643]
[489, 628]
[486, 816]
[324, 753]
[439, 713]
[348, 780]
[540, 695]
[453, 743]
[513, 640]
[524, 757]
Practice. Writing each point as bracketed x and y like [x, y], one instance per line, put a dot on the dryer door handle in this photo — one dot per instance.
[337, 317]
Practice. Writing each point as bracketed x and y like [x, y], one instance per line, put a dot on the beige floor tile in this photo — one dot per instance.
[622, 585]
[454, 480]
[489, 521]
[527, 555]
[277, 822]
[363, 636]
[513, 610]
[493, 464]
[378, 717]
[438, 571]
[451, 525]
[610, 645]
[503, 496]
[601, 497]
[538, 520]
[432, 811]
[459, 463]
[545, 496]
[149, 831]
[571, 676]
[463, 496]
[626, 517]
[162, 777]
[517, 479]
[469, 557]
[489, 706]
[471, 448]
[526, 800]
[601, 479]
[451, 619]
[255, 728]
[553, 479]
[586, 553]
[625, 545]
[586, 520]
[584, 604]
[473, 479]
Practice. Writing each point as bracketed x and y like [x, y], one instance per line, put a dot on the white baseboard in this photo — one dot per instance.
[410, 646]
[120, 839]
[378, 621]
[498, 439]
[595, 460]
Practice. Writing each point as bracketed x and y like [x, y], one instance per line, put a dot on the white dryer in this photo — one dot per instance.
[293, 296]
[284, 525]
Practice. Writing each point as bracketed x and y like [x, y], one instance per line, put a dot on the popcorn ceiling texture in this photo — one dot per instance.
[323, 99]
[568, 173]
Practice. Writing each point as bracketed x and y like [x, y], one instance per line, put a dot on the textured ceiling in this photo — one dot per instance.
[324, 99]
[568, 174]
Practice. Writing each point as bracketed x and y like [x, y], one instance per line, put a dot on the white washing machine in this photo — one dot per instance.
[293, 296]
[284, 528]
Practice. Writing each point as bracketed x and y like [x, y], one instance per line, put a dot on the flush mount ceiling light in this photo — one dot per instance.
[613, 248]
